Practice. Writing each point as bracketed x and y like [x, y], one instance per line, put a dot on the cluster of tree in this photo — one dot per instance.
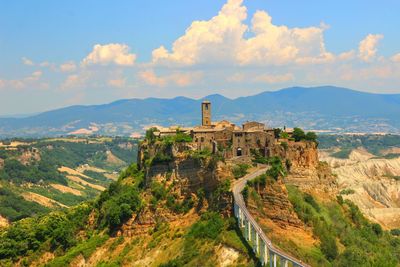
[117, 204]
[178, 137]
[300, 135]
[54, 231]
[43, 170]
[15, 207]
[373, 143]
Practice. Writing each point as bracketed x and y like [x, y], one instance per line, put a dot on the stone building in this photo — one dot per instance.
[226, 137]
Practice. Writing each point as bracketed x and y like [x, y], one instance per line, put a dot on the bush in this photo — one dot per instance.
[240, 170]
[209, 226]
[298, 134]
[117, 204]
[329, 247]
[276, 168]
[395, 232]
[284, 145]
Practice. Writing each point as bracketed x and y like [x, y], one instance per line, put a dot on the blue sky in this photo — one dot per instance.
[49, 57]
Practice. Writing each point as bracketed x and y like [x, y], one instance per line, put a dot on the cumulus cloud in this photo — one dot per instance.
[117, 54]
[215, 39]
[32, 80]
[69, 66]
[396, 58]
[76, 81]
[222, 39]
[278, 45]
[27, 61]
[368, 47]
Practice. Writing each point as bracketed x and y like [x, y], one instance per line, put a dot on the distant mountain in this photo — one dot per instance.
[318, 108]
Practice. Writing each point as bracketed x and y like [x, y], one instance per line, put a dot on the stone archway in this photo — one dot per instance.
[239, 152]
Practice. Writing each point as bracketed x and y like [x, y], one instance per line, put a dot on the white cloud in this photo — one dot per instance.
[347, 55]
[396, 58]
[368, 47]
[278, 78]
[33, 80]
[215, 39]
[68, 66]
[117, 54]
[119, 83]
[27, 61]
[176, 78]
[276, 45]
[76, 81]
[221, 39]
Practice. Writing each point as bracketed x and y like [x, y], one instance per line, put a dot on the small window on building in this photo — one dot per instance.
[202, 139]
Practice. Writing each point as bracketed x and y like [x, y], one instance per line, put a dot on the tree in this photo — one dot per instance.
[298, 134]
[277, 132]
[150, 134]
[311, 136]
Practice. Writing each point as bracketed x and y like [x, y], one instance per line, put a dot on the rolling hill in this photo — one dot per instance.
[319, 108]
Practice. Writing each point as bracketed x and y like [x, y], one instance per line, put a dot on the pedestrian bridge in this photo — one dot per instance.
[262, 246]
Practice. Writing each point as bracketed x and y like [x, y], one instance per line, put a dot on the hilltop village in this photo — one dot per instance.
[228, 138]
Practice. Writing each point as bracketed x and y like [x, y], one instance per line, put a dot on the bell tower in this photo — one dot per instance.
[206, 113]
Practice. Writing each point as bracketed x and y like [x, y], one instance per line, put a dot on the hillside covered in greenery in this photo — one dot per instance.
[40, 175]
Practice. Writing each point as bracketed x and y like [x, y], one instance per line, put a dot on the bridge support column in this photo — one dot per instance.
[275, 260]
[246, 231]
[257, 245]
[271, 255]
[284, 262]
[265, 253]
[249, 228]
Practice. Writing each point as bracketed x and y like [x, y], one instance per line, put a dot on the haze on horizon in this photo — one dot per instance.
[55, 54]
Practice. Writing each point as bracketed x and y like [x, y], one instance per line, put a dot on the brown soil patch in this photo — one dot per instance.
[111, 158]
[66, 189]
[42, 200]
[78, 180]
[72, 172]
[3, 222]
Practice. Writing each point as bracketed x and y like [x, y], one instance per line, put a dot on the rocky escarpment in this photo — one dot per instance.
[304, 168]
[274, 205]
[371, 183]
[189, 179]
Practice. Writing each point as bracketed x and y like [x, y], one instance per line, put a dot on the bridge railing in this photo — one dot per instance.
[261, 245]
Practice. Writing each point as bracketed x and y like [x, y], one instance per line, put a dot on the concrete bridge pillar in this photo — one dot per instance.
[257, 243]
[246, 231]
[249, 228]
[284, 262]
[275, 260]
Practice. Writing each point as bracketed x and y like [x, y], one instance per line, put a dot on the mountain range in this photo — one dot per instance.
[324, 109]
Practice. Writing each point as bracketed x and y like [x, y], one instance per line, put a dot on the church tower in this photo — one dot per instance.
[206, 113]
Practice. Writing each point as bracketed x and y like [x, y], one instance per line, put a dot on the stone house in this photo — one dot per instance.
[225, 136]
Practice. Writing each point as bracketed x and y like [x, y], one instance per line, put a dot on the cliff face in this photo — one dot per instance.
[373, 182]
[301, 155]
[274, 205]
[304, 168]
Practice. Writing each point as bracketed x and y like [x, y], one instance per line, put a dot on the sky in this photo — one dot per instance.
[59, 53]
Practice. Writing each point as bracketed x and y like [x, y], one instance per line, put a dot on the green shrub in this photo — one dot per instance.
[395, 232]
[209, 226]
[240, 170]
[347, 191]
[284, 145]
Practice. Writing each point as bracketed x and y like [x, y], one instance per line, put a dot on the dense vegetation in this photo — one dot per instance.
[15, 207]
[373, 143]
[33, 165]
[347, 238]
